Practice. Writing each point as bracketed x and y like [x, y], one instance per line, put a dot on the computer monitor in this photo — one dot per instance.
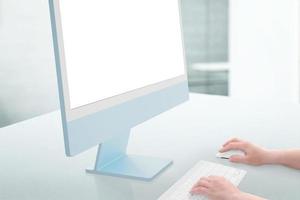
[119, 63]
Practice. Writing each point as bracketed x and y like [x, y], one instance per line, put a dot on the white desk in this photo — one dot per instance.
[33, 165]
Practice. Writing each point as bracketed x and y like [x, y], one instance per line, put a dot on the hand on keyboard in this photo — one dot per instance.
[212, 187]
[215, 188]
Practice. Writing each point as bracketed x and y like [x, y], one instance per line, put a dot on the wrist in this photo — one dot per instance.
[246, 196]
[238, 196]
[273, 157]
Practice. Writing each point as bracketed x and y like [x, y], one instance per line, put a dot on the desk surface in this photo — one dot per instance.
[33, 165]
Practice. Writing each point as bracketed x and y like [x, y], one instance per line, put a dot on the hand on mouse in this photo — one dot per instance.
[254, 155]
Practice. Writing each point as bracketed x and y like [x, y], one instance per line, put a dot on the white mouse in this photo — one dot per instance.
[228, 154]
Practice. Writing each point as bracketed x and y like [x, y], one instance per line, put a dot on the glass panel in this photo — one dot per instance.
[205, 27]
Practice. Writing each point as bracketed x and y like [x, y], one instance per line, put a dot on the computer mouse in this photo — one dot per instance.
[228, 154]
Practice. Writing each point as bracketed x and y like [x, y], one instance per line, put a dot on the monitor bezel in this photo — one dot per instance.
[88, 109]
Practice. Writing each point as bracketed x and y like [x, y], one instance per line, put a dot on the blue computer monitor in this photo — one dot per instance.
[119, 63]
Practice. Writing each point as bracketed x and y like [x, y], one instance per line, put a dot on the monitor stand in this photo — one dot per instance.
[112, 160]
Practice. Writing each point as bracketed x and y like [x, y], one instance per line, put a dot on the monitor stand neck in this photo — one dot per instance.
[112, 160]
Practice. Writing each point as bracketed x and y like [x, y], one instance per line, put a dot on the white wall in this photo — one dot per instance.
[264, 49]
[27, 70]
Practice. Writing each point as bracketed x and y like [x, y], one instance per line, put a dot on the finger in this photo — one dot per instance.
[214, 179]
[238, 159]
[202, 183]
[234, 146]
[199, 191]
[231, 140]
[199, 182]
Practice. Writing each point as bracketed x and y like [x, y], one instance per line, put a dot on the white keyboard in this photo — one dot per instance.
[180, 190]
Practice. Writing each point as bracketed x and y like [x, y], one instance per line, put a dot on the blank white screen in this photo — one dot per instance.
[116, 46]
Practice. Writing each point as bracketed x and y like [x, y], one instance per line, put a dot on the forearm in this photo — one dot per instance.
[290, 158]
[246, 196]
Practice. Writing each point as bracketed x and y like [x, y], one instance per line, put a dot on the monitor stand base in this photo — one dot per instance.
[112, 160]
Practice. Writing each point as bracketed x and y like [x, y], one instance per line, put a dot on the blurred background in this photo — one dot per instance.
[246, 49]
[206, 34]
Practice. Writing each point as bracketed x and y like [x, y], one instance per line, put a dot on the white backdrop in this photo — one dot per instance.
[27, 70]
[264, 50]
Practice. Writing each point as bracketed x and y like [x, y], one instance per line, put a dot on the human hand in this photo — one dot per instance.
[216, 188]
[254, 155]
